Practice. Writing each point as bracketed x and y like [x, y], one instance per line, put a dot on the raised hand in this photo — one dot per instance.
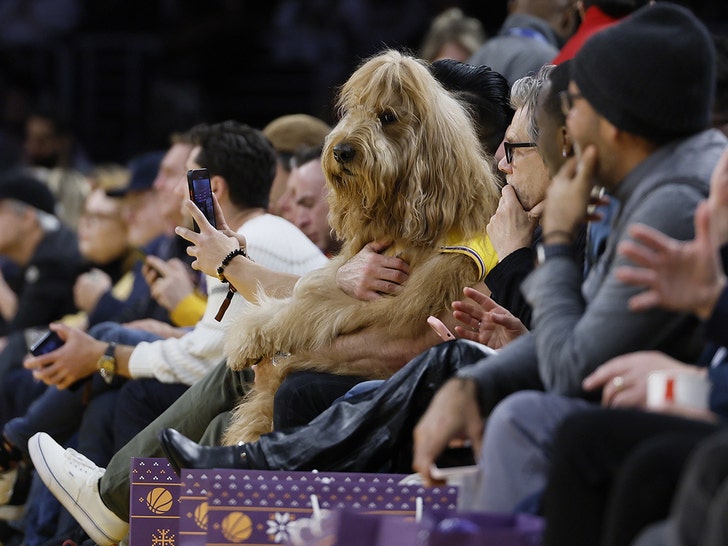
[172, 283]
[682, 275]
[677, 275]
[210, 245]
[485, 321]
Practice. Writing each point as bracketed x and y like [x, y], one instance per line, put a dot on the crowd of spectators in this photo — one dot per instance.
[605, 121]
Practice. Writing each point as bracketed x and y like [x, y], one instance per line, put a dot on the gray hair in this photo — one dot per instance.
[524, 94]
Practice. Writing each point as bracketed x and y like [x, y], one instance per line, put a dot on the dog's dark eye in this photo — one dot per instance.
[387, 117]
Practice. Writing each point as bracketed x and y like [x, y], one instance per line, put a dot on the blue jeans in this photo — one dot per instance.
[59, 412]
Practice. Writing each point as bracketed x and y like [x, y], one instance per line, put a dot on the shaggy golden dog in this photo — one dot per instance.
[403, 163]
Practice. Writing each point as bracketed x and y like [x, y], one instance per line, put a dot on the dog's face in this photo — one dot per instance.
[370, 151]
[394, 162]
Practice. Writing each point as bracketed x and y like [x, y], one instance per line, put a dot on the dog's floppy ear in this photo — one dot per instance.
[450, 185]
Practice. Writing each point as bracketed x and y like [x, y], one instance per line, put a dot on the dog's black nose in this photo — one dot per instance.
[343, 153]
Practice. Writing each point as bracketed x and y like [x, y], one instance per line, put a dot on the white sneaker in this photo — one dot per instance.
[73, 479]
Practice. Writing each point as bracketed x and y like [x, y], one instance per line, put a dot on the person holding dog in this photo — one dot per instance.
[497, 328]
[215, 383]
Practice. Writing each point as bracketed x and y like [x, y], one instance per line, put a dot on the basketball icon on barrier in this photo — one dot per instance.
[237, 527]
[159, 500]
[200, 516]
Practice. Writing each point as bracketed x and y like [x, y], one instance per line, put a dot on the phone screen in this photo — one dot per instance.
[47, 342]
[198, 182]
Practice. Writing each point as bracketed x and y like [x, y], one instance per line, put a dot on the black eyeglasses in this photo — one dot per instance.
[567, 101]
[509, 146]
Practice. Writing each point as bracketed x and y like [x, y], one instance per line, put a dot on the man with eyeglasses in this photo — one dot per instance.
[651, 150]
[514, 228]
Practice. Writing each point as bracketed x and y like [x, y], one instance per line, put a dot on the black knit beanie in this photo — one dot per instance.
[651, 74]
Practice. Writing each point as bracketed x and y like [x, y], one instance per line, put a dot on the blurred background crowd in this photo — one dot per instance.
[117, 77]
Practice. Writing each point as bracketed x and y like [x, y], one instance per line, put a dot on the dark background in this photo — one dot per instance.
[128, 72]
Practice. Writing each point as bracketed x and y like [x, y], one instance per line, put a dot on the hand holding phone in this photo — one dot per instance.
[451, 474]
[153, 269]
[455, 464]
[50, 341]
[440, 329]
[198, 183]
[46, 342]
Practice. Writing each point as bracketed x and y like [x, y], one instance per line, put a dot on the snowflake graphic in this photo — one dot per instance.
[278, 527]
[165, 538]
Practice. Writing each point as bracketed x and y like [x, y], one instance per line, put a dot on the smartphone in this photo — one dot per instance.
[453, 472]
[198, 183]
[454, 462]
[440, 328]
[50, 341]
[140, 254]
[47, 342]
[153, 268]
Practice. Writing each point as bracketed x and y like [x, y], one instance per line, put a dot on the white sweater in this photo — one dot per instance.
[272, 242]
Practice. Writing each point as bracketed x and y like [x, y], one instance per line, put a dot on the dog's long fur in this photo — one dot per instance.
[418, 174]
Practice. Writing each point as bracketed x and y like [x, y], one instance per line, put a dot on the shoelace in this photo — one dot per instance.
[81, 462]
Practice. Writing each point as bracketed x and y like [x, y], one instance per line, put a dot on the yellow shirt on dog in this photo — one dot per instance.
[479, 249]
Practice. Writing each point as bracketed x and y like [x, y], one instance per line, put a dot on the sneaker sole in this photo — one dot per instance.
[68, 502]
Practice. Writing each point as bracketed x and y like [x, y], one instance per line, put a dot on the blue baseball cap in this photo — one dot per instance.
[144, 169]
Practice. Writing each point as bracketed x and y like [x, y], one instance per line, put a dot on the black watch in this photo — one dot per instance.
[544, 252]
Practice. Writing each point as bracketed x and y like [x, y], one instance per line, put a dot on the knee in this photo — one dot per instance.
[513, 416]
[105, 331]
[291, 398]
[709, 462]
[291, 387]
[133, 392]
[517, 407]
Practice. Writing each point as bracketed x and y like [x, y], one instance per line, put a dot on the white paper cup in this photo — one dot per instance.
[681, 388]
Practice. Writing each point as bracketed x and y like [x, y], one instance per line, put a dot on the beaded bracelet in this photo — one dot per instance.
[227, 259]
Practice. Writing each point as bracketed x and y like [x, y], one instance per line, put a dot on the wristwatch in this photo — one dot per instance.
[544, 252]
[107, 363]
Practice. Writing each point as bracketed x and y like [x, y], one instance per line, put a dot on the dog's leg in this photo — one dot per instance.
[252, 417]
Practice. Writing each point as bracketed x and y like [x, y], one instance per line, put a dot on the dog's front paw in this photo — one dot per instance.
[247, 349]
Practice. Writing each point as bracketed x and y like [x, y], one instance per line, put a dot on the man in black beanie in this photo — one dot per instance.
[638, 106]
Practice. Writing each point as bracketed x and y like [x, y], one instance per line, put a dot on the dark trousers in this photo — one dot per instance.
[191, 414]
[115, 417]
[613, 472]
[139, 403]
[369, 432]
[700, 510]
[302, 396]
